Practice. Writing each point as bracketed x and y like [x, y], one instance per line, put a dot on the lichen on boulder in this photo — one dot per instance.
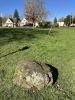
[33, 73]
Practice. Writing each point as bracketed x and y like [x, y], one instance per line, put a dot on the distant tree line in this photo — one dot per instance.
[69, 19]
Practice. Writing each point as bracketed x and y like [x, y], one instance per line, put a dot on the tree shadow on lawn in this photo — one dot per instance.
[24, 48]
[11, 34]
[16, 34]
[54, 73]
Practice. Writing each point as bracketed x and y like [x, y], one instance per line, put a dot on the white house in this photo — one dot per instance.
[22, 22]
[10, 22]
[61, 22]
[26, 21]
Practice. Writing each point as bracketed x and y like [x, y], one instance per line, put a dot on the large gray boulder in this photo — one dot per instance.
[32, 73]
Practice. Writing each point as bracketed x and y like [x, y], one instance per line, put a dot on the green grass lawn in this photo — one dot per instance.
[56, 49]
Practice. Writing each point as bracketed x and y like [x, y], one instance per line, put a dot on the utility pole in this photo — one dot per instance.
[70, 19]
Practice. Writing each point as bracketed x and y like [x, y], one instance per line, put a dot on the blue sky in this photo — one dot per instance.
[68, 6]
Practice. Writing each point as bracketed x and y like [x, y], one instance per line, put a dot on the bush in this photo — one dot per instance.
[57, 25]
[45, 24]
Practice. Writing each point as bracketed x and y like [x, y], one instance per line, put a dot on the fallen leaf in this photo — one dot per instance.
[72, 67]
[47, 60]
[63, 74]
[31, 44]
[33, 91]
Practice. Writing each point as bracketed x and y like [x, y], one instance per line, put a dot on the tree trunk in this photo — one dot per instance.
[33, 20]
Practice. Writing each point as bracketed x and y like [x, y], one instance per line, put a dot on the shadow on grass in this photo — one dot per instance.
[54, 73]
[24, 48]
[16, 34]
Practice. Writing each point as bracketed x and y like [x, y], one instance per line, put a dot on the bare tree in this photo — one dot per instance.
[10, 16]
[6, 16]
[21, 17]
[35, 10]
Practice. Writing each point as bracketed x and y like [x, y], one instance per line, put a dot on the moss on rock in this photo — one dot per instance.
[45, 68]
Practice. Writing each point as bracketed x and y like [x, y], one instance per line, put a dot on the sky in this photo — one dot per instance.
[68, 6]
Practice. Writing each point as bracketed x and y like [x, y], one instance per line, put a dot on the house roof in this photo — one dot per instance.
[29, 20]
[12, 19]
[61, 20]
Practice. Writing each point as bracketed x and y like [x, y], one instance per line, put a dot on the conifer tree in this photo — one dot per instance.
[16, 14]
[55, 21]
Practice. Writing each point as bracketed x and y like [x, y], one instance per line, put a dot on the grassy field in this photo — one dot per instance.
[57, 50]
